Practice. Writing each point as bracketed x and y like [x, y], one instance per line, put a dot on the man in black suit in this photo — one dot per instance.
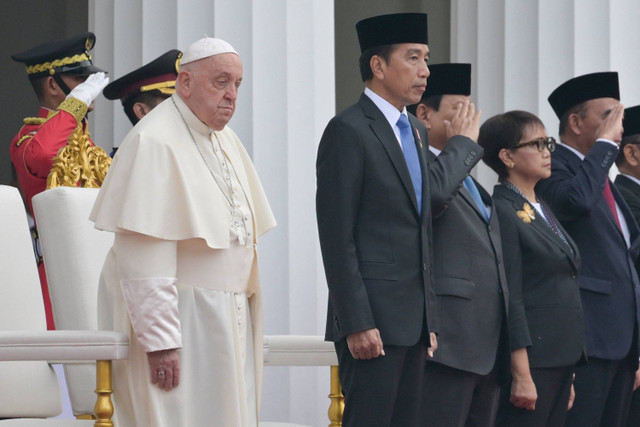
[374, 201]
[628, 162]
[462, 386]
[628, 182]
[596, 216]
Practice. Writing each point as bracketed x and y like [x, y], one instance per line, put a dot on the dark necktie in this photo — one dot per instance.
[475, 195]
[611, 201]
[410, 152]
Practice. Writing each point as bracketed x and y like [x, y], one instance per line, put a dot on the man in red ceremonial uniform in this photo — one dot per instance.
[66, 84]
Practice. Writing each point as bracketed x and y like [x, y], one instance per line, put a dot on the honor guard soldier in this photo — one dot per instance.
[143, 89]
[66, 83]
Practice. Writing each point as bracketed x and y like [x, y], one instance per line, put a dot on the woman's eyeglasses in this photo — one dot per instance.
[541, 143]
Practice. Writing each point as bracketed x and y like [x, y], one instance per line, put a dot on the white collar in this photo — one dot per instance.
[390, 112]
[632, 178]
[573, 150]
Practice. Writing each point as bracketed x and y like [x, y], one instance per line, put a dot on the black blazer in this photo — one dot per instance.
[608, 281]
[545, 310]
[630, 192]
[375, 245]
[470, 284]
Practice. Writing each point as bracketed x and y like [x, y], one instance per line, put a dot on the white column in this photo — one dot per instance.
[286, 99]
[625, 15]
[521, 51]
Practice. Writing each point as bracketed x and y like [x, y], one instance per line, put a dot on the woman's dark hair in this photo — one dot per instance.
[504, 131]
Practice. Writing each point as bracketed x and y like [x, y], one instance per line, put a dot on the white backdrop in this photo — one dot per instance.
[522, 50]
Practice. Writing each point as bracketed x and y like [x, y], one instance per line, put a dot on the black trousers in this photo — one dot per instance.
[385, 391]
[603, 392]
[456, 398]
[634, 410]
[553, 386]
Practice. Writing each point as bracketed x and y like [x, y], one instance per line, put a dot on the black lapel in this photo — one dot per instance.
[539, 224]
[628, 216]
[573, 162]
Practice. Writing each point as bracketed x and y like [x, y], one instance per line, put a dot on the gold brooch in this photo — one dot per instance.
[526, 214]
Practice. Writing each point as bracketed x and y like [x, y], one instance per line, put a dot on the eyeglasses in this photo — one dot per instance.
[541, 143]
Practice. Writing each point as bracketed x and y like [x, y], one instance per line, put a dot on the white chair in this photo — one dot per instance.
[28, 385]
[306, 350]
[73, 252]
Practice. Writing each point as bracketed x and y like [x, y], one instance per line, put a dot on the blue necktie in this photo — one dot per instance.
[475, 195]
[411, 157]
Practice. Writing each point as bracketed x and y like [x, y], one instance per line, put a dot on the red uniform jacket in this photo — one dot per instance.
[34, 147]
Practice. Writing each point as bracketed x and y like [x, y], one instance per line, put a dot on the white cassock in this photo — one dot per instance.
[178, 275]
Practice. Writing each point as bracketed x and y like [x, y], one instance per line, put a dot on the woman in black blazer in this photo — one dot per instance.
[546, 324]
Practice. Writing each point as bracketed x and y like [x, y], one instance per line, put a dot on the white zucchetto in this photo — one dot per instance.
[206, 47]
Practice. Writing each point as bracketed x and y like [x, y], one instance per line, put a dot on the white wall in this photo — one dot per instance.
[522, 50]
[286, 99]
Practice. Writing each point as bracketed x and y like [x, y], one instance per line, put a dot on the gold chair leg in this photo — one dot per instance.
[104, 406]
[85, 417]
[336, 408]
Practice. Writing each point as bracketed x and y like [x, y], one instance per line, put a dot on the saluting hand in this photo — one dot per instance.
[465, 122]
[365, 344]
[89, 90]
[611, 128]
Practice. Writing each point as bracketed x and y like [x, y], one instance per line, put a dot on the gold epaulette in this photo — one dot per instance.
[34, 120]
[75, 107]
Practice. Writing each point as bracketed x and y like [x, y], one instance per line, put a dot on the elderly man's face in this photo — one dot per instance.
[214, 89]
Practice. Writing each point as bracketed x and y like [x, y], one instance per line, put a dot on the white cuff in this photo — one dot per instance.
[153, 310]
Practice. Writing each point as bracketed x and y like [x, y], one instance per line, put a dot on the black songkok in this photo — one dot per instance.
[392, 29]
[583, 88]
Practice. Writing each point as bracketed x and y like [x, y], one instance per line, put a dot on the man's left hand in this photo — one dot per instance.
[434, 345]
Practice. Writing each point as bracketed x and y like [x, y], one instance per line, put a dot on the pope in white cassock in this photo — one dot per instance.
[186, 207]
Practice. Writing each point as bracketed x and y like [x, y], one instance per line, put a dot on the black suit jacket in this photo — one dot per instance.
[545, 309]
[470, 284]
[630, 192]
[608, 281]
[375, 244]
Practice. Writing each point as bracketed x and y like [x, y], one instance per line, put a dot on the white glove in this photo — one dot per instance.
[89, 90]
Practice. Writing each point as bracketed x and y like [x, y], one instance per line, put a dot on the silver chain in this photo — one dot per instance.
[237, 219]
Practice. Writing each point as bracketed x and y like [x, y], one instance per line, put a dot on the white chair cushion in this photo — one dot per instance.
[298, 350]
[21, 308]
[278, 424]
[74, 252]
[47, 423]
